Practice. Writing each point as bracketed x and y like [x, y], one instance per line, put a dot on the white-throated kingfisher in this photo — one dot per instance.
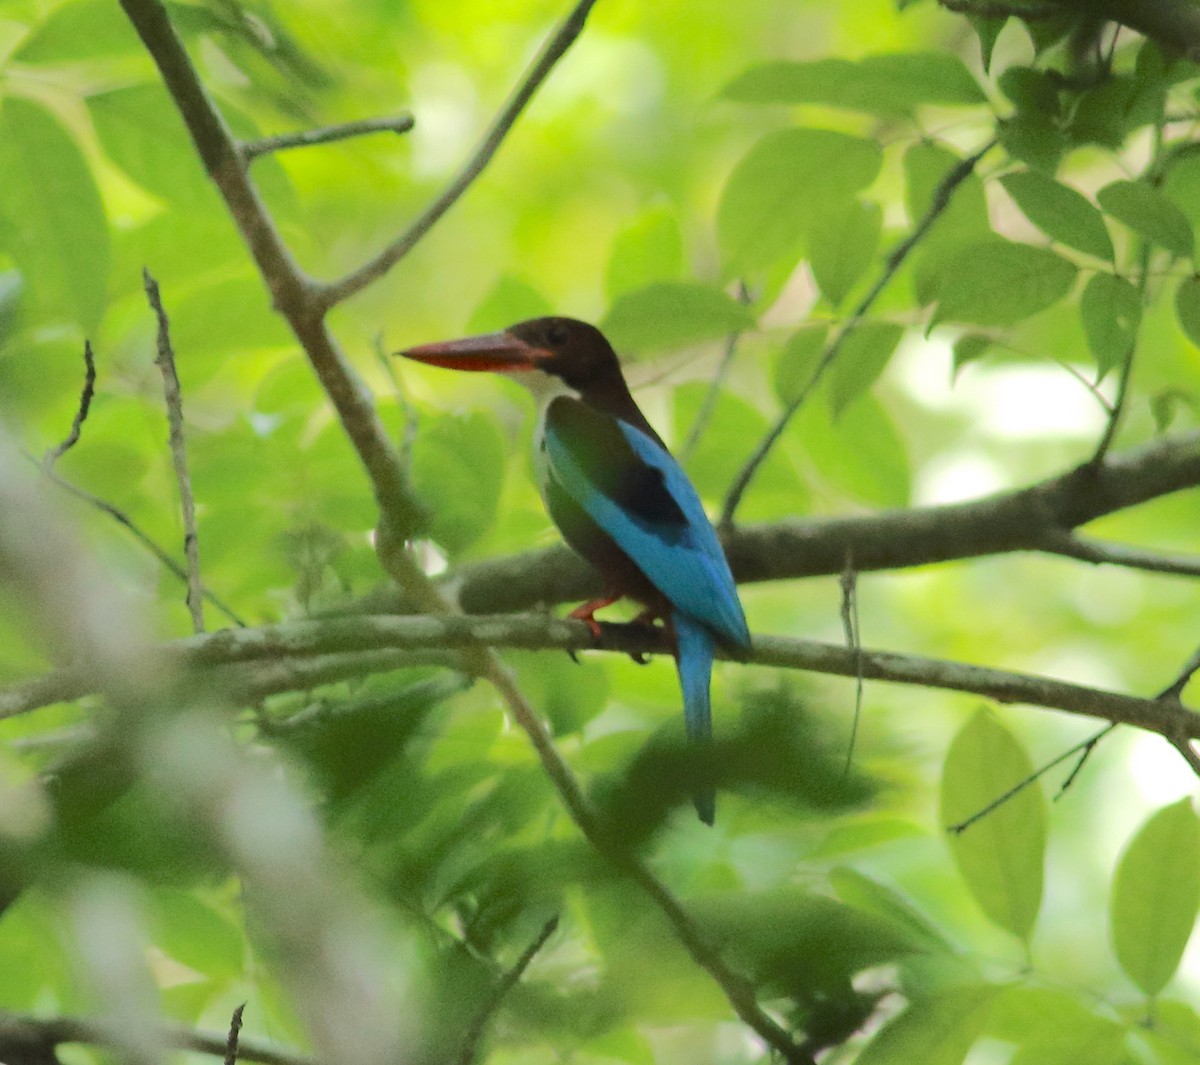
[618, 497]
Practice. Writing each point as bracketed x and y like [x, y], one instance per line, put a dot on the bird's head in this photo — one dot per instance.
[574, 352]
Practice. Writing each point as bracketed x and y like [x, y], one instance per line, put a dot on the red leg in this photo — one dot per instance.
[586, 612]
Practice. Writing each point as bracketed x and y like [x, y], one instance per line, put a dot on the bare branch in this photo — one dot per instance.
[81, 413]
[251, 150]
[51, 1033]
[355, 639]
[504, 985]
[1086, 550]
[165, 360]
[554, 49]
[853, 634]
[942, 196]
[232, 1040]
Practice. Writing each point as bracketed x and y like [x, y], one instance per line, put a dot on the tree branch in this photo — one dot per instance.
[554, 49]
[354, 640]
[942, 195]
[1036, 518]
[251, 150]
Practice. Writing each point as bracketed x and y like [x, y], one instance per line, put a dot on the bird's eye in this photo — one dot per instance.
[556, 335]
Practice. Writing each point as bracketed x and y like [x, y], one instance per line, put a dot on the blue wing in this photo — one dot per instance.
[639, 495]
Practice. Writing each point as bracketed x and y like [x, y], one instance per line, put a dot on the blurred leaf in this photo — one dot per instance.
[797, 361]
[84, 29]
[649, 249]
[1098, 1042]
[1111, 310]
[781, 183]
[51, 219]
[1034, 140]
[1149, 213]
[1156, 896]
[997, 282]
[858, 890]
[882, 85]
[673, 314]
[1001, 855]
[1060, 212]
[510, 301]
[933, 1031]
[141, 131]
[862, 358]
[1031, 89]
[1187, 307]
[969, 347]
[196, 934]
[568, 694]
[458, 468]
[841, 244]
[861, 452]
[987, 30]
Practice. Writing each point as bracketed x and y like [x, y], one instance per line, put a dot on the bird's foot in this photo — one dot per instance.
[646, 619]
[586, 613]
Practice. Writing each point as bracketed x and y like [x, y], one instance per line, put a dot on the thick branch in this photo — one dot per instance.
[1175, 24]
[285, 647]
[293, 293]
[1037, 518]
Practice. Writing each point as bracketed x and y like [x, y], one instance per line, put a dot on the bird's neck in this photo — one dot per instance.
[611, 397]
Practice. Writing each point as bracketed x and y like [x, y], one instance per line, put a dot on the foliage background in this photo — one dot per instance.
[362, 862]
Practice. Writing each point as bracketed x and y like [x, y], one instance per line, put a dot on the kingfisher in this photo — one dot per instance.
[618, 497]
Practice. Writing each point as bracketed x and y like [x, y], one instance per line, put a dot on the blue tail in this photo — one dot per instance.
[695, 671]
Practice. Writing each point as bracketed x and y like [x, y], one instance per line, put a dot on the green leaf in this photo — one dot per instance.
[1149, 213]
[86, 29]
[141, 131]
[1034, 140]
[196, 934]
[861, 891]
[1060, 212]
[841, 245]
[863, 355]
[458, 467]
[998, 282]
[1156, 896]
[672, 314]
[1031, 90]
[887, 85]
[796, 362]
[969, 347]
[1098, 1042]
[1187, 307]
[780, 184]
[1001, 855]
[51, 219]
[1112, 311]
[511, 300]
[861, 451]
[649, 249]
[987, 30]
[933, 1031]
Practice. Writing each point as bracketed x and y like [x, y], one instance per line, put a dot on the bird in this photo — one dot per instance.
[619, 498]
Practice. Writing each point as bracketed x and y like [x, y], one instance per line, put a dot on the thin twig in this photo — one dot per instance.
[251, 150]
[407, 410]
[704, 415]
[81, 413]
[231, 1041]
[138, 533]
[165, 360]
[1070, 545]
[504, 985]
[1175, 689]
[942, 196]
[849, 586]
[1086, 746]
[554, 49]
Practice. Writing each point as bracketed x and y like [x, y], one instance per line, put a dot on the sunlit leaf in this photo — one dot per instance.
[998, 282]
[786, 178]
[934, 1031]
[1001, 854]
[670, 314]
[841, 245]
[1156, 896]
[881, 84]
[83, 29]
[1111, 310]
[51, 219]
[861, 359]
[1149, 213]
[1060, 212]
